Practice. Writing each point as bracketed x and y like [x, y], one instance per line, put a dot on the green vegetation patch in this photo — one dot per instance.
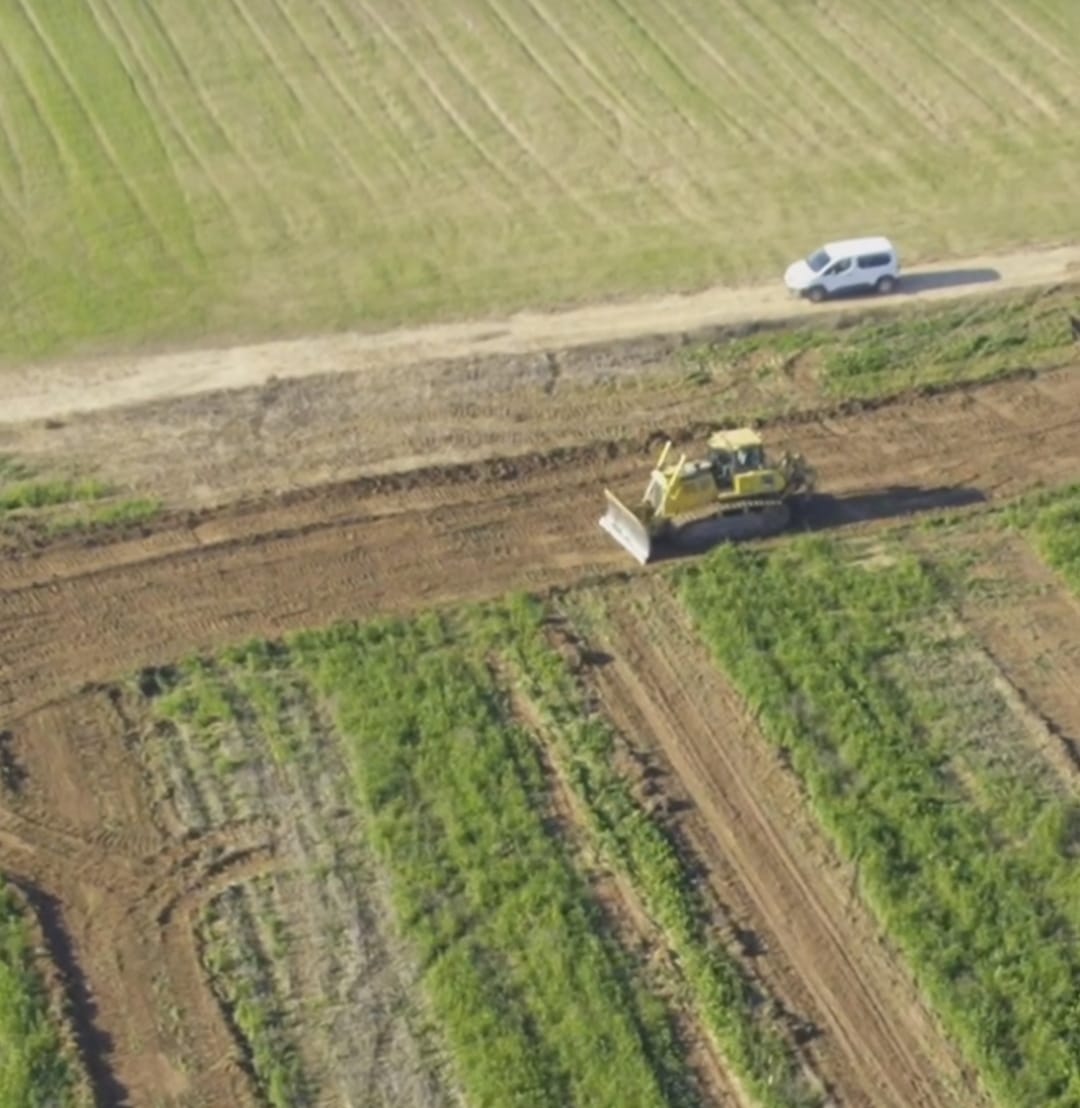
[917, 347]
[983, 898]
[35, 1070]
[243, 976]
[29, 493]
[538, 1002]
[54, 505]
[1053, 522]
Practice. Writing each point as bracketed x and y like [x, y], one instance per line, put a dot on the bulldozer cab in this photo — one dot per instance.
[733, 452]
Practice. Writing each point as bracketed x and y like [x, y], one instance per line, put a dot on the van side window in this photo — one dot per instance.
[841, 266]
[874, 261]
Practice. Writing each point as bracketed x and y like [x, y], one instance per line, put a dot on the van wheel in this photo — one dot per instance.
[885, 284]
[816, 295]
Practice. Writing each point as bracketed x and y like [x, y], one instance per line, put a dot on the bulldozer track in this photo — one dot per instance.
[75, 613]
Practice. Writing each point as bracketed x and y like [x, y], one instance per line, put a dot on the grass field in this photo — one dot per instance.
[193, 169]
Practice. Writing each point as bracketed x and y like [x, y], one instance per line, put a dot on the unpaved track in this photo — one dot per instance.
[75, 613]
[113, 893]
[768, 861]
[50, 391]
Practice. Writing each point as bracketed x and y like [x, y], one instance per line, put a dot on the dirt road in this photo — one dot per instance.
[52, 391]
[78, 613]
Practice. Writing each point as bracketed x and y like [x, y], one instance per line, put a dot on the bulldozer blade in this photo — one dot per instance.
[626, 529]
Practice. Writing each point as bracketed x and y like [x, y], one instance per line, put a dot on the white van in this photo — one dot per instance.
[870, 263]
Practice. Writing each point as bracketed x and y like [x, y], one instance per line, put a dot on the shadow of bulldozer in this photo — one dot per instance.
[822, 512]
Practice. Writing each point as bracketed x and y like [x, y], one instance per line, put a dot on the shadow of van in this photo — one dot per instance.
[911, 284]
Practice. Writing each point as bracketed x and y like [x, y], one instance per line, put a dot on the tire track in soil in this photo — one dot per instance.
[81, 614]
[621, 905]
[113, 897]
[880, 1048]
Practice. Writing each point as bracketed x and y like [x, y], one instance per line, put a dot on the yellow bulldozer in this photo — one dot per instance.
[734, 493]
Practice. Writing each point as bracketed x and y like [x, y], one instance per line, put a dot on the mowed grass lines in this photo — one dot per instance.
[984, 897]
[233, 169]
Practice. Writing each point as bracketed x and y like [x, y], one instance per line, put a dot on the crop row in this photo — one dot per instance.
[35, 1068]
[538, 1002]
[982, 898]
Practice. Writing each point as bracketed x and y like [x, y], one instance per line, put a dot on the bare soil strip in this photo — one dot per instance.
[50, 391]
[767, 859]
[111, 891]
[628, 918]
[71, 613]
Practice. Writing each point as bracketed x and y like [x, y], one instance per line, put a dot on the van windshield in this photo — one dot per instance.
[818, 260]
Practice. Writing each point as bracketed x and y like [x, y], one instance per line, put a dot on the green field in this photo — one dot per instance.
[191, 169]
[966, 845]
[459, 731]
[449, 726]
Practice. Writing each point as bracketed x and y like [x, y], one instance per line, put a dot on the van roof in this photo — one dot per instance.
[876, 244]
